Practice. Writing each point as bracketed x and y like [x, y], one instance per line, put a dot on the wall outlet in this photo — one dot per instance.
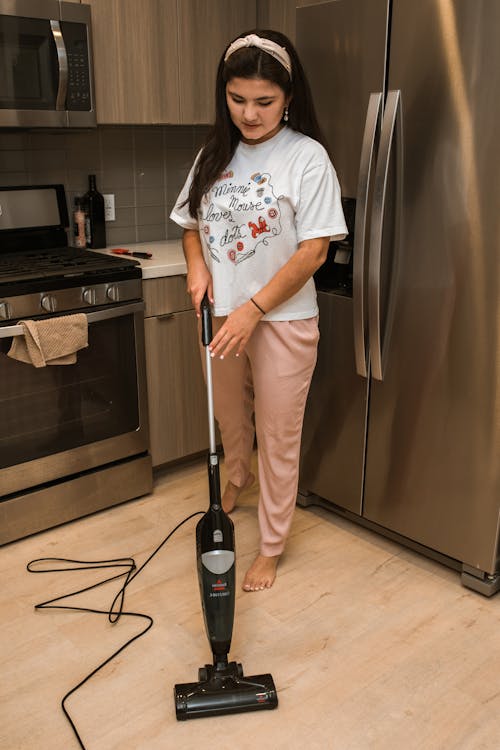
[109, 207]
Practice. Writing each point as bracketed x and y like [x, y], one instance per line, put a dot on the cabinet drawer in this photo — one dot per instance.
[165, 295]
[178, 422]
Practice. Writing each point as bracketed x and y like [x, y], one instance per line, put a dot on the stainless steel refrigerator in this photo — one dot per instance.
[402, 426]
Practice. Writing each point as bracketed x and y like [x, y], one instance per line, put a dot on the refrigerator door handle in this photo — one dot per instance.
[372, 127]
[392, 121]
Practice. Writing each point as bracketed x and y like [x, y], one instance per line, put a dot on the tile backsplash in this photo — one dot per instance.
[143, 166]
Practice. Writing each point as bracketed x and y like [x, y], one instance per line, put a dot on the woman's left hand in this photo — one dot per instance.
[236, 331]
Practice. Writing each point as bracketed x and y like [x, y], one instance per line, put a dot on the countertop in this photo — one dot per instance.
[168, 258]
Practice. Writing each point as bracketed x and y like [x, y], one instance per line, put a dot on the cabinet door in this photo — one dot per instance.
[278, 15]
[166, 294]
[205, 29]
[135, 61]
[178, 419]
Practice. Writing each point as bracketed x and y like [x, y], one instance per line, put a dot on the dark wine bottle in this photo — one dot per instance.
[94, 208]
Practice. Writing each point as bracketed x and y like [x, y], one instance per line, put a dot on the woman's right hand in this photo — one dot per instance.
[199, 281]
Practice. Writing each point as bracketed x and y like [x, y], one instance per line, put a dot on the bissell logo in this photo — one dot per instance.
[219, 585]
[219, 589]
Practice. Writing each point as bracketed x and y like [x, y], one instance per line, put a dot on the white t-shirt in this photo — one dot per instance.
[272, 196]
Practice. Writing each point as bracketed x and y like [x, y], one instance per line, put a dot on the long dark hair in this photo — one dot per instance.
[224, 136]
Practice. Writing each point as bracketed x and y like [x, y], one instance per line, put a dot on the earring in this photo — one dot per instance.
[285, 114]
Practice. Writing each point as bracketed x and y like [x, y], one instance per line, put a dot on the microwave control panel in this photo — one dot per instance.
[78, 97]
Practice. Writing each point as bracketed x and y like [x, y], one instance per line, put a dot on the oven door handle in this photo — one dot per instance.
[117, 311]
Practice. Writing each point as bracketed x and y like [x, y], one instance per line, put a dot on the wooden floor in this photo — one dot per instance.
[372, 647]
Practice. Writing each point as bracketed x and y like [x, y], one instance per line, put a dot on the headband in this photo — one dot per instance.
[252, 40]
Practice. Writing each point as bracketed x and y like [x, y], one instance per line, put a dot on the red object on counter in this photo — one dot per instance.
[134, 253]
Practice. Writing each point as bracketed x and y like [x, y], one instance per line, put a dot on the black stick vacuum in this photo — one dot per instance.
[222, 688]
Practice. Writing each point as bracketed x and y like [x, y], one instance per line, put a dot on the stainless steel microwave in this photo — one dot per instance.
[46, 74]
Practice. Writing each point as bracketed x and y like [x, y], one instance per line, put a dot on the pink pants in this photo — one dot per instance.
[271, 380]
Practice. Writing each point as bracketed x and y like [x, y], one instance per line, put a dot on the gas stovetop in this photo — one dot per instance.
[57, 263]
[35, 283]
[33, 244]
[59, 268]
[39, 274]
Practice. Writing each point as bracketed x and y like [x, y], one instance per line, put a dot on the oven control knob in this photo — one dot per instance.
[89, 296]
[113, 293]
[48, 303]
[5, 311]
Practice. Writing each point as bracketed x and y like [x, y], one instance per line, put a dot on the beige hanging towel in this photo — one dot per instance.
[54, 341]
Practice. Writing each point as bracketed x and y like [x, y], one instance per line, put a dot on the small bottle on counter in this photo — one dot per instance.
[79, 238]
[94, 207]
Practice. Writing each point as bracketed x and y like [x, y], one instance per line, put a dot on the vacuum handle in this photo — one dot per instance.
[206, 338]
[206, 321]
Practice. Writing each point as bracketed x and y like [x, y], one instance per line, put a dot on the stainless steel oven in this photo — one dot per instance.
[73, 438]
[46, 75]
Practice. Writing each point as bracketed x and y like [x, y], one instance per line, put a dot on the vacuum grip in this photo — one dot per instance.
[206, 321]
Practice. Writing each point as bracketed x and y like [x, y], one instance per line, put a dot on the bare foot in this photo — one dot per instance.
[261, 573]
[232, 493]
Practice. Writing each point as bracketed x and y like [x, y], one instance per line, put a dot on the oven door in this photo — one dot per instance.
[61, 420]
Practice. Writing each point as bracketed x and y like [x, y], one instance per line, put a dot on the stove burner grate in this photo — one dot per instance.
[64, 262]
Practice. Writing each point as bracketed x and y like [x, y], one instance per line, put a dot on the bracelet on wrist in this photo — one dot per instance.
[257, 306]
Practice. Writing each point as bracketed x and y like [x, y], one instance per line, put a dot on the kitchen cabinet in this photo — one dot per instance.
[155, 60]
[136, 66]
[278, 15]
[178, 419]
[205, 28]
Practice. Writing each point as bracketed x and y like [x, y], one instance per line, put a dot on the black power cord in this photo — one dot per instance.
[64, 565]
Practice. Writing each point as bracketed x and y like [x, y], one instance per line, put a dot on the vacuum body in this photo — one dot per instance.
[216, 578]
[222, 687]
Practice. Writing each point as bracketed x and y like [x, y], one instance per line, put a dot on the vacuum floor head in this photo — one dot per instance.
[224, 691]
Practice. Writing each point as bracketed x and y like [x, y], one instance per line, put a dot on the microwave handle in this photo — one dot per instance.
[62, 60]
[117, 311]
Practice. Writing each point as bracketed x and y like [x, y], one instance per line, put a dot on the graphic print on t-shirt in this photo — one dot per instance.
[237, 218]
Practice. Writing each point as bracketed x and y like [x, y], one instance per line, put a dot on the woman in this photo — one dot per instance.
[258, 209]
